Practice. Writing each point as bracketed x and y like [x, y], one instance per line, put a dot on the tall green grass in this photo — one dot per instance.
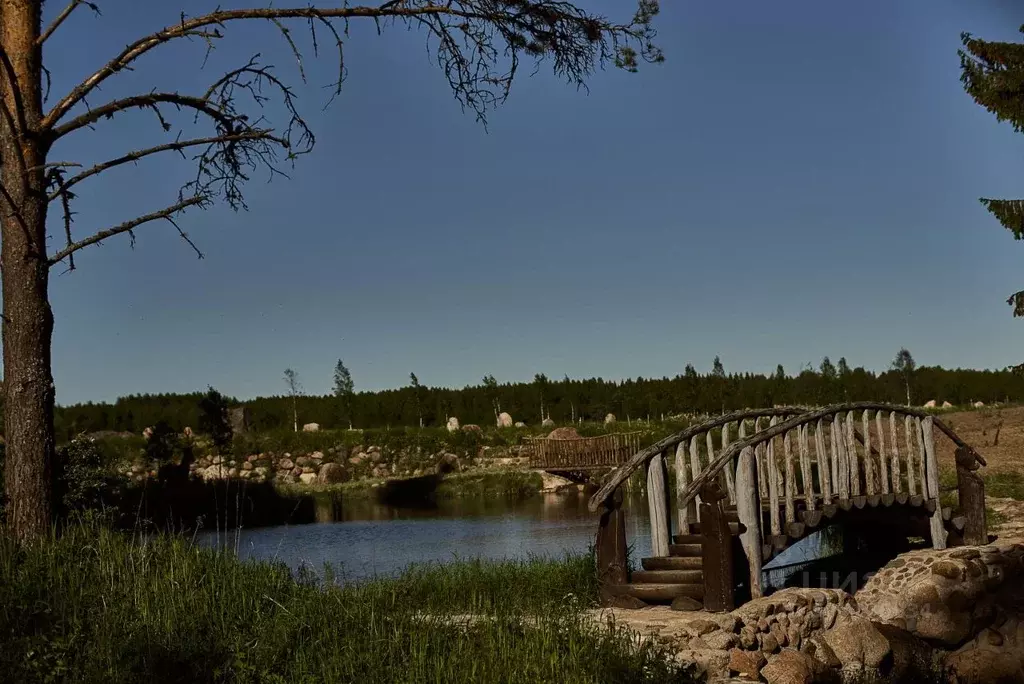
[96, 606]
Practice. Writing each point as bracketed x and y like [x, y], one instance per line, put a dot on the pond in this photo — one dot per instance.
[362, 538]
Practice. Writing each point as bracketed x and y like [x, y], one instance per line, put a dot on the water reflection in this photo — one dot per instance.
[363, 538]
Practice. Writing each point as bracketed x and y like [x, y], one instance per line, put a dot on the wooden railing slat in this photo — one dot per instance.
[730, 484]
[938, 529]
[851, 456]
[694, 472]
[883, 462]
[824, 463]
[682, 479]
[897, 479]
[787, 448]
[869, 466]
[908, 422]
[806, 471]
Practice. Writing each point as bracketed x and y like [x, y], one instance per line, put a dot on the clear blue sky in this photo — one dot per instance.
[798, 179]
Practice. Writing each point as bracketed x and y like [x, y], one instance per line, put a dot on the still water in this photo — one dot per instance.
[362, 539]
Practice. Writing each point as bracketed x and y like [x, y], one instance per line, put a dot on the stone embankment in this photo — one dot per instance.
[954, 615]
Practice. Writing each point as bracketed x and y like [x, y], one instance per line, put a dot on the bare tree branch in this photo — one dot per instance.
[64, 14]
[129, 226]
[176, 146]
[150, 100]
[537, 27]
[478, 46]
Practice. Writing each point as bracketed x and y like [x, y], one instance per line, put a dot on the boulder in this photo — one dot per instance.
[977, 666]
[472, 428]
[448, 463]
[547, 422]
[187, 432]
[857, 644]
[453, 424]
[520, 424]
[504, 420]
[332, 473]
[946, 405]
[788, 667]
[930, 404]
[746, 664]
[307, 478]
[357, 459]
[311, 427]
[303, 461]
[317, 455]
[609, 419]
[285, 464]
[248, 466]
[564, 433]
[979, 404]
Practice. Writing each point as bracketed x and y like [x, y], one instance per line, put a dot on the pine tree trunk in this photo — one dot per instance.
[27, 318]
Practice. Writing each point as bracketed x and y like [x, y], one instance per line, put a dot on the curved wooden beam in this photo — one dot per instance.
[622, 473]
[727, 455]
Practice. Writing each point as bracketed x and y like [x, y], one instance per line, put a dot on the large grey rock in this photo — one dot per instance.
[505, 420]
[311, 427]
[453, 424]
[307, 478]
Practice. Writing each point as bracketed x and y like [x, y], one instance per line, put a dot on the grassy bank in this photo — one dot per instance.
[93, 606]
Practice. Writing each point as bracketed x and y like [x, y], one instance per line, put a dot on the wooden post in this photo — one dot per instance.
[717, 551]
[971, 490]
[657, 498]
[611, 546]
[931, 474]
[773, 491]
[682, 480]
[748, 508]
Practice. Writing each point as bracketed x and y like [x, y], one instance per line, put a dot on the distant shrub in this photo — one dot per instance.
[214, 421]
[162, 443]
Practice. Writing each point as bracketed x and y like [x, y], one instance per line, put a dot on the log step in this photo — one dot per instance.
[734, 530]
[686, 550]
[658, 592]
[672, 563]
[668, 577]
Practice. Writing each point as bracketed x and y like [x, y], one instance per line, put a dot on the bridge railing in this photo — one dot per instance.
[583, 453]
[798, 465]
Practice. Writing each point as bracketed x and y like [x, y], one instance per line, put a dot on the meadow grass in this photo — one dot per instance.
[99, 606]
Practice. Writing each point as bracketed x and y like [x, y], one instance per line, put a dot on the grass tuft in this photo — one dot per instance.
[98, 606]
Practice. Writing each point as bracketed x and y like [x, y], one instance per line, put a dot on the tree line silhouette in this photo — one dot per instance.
[565, 400]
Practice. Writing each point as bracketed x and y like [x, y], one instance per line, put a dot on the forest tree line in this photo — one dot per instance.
[564, 400]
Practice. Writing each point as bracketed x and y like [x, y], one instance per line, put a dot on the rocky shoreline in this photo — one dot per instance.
[953, 615]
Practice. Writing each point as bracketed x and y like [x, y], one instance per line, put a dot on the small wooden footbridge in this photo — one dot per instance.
[751, 483]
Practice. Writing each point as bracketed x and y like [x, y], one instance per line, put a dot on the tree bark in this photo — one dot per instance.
[27, 318]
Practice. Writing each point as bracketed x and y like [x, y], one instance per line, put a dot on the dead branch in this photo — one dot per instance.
[540, 27]
[176, 146]
[472, 38]
[150, 100]
[128, 226]
[64, 14]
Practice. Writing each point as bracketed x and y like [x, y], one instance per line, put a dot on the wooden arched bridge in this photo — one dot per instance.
[751, 483]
